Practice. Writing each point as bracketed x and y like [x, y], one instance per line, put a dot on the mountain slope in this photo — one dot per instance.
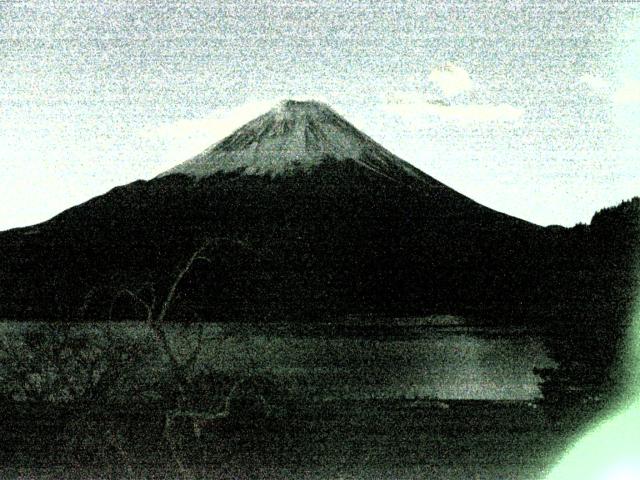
[312, 218]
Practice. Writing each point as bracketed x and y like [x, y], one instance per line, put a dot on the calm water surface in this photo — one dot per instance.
[417, 359]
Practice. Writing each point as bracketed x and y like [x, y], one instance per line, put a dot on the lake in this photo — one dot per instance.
[373, 358]
[330, 364]
[412, 358]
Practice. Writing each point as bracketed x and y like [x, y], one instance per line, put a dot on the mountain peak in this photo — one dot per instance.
[294, 136]
[312, 107]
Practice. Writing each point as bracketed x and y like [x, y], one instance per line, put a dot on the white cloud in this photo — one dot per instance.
[185, 138]
[479, 112]
[220, 123]
[217, 125]
[595, 82]
[423, 104]
[627, 93]
[451, 79]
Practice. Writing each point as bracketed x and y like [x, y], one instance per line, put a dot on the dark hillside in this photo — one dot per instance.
[336, 240]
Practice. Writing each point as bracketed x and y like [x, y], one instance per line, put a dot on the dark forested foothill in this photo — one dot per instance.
[593, 287]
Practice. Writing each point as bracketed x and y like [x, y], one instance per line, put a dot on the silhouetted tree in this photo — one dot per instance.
[158, 310]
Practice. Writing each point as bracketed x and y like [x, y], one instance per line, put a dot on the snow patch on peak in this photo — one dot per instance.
[294, 136]
[309, 106]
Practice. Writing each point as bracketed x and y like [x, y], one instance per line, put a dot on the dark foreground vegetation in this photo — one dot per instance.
[357, 440]
[108, 401]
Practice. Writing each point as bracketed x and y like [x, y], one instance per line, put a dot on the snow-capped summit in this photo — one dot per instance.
[294, 136]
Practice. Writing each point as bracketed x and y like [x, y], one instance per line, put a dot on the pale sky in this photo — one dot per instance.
[531, 108]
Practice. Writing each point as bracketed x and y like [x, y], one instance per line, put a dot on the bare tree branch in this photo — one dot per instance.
[157, 310]
[82, 310]
[198, 348]
[133, 296]
[173, 358]
[146, 306]
[174, 286]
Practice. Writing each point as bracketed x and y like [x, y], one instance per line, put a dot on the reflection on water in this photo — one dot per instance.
[409, 360]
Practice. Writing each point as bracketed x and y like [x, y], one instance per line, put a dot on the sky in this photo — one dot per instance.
[531, 108]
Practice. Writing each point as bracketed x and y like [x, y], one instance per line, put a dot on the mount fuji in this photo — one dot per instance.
[310, 218]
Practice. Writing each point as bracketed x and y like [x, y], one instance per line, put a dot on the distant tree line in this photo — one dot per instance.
[596, 286]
